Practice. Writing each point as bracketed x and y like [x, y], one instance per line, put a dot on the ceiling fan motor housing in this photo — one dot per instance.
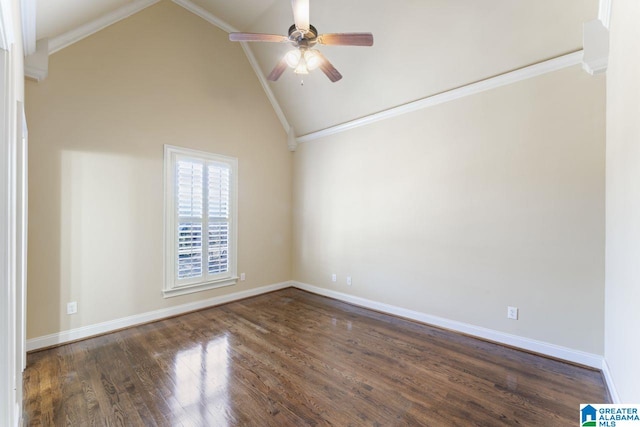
[302, 38]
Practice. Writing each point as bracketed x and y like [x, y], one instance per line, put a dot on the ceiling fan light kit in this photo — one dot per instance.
[304, 36]
[292, 58]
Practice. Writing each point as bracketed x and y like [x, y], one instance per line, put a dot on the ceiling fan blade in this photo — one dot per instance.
[328, 69]
[256, 37]
[301, 14]
[346, 39]
[277, 70]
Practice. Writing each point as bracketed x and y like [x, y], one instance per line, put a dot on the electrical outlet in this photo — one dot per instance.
[242, 277]
[72, 307]
[334, 277]
[348, 280]
[512, 313]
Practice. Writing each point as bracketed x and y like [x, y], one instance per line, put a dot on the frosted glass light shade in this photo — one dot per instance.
[292, 58]
[312, 58]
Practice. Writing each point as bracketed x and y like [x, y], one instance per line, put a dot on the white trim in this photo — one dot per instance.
[36, 65]
[544, 348]
[206, 15]
[265, 86]
[608, 377]
[604, 12]
[6, 25]
[6, 331]
[150, 316]
[596, 66]
[18, 250]
[292, 144]
[172, 285]
[199, 287]
[35, 73]
[10, 395]
[22, 217]
[531, 71]
[75, 35]
[212, 19]
[541, 347]
[575, 356]
[595, 44]
[28, 26]
[12, 253]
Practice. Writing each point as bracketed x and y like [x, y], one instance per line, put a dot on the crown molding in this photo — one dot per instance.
[34, 73]
[292, 144]
[212, 19]
[75, 35]
[534, 70]
[604, 13]
[28, 9]
[206, 15]
[265, 86]
[36, 65]
[596, 66]
[595, 42]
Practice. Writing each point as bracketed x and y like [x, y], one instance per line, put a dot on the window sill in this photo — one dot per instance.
[190, 289]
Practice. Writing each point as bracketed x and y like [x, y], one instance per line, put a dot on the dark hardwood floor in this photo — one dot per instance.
[291, 358]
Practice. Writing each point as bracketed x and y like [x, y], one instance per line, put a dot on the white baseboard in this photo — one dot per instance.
[150, 316]
[548, 349]
[613, 392]
[564, 353]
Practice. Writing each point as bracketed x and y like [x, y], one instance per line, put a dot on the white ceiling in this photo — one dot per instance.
[421, 47]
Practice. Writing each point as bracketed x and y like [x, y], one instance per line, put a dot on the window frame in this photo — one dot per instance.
[172, 285]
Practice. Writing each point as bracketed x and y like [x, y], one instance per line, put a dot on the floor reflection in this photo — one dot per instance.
[201, 384]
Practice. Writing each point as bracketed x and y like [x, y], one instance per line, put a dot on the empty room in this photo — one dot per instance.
[306, 212]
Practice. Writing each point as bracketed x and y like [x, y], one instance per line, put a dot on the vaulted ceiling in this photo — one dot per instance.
[421, 47]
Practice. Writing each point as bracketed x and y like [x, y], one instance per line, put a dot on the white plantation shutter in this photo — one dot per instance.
[218, 217]
[189, 201]
[201, 208]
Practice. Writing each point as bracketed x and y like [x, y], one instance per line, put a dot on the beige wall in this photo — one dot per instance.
[622, 321]
[456, 211]
[97, 126]
[462, 209]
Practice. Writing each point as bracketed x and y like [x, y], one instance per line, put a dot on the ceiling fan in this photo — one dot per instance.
[304, 37]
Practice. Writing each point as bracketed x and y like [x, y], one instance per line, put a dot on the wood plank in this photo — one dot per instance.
[292, 358]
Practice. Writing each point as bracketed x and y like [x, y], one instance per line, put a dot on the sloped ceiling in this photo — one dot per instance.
[421, 47]
[56, 17]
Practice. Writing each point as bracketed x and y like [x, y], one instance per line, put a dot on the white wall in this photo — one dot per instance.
[622, 321]
[464, 208]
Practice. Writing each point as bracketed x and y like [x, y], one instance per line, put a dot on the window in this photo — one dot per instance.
[200, 220]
